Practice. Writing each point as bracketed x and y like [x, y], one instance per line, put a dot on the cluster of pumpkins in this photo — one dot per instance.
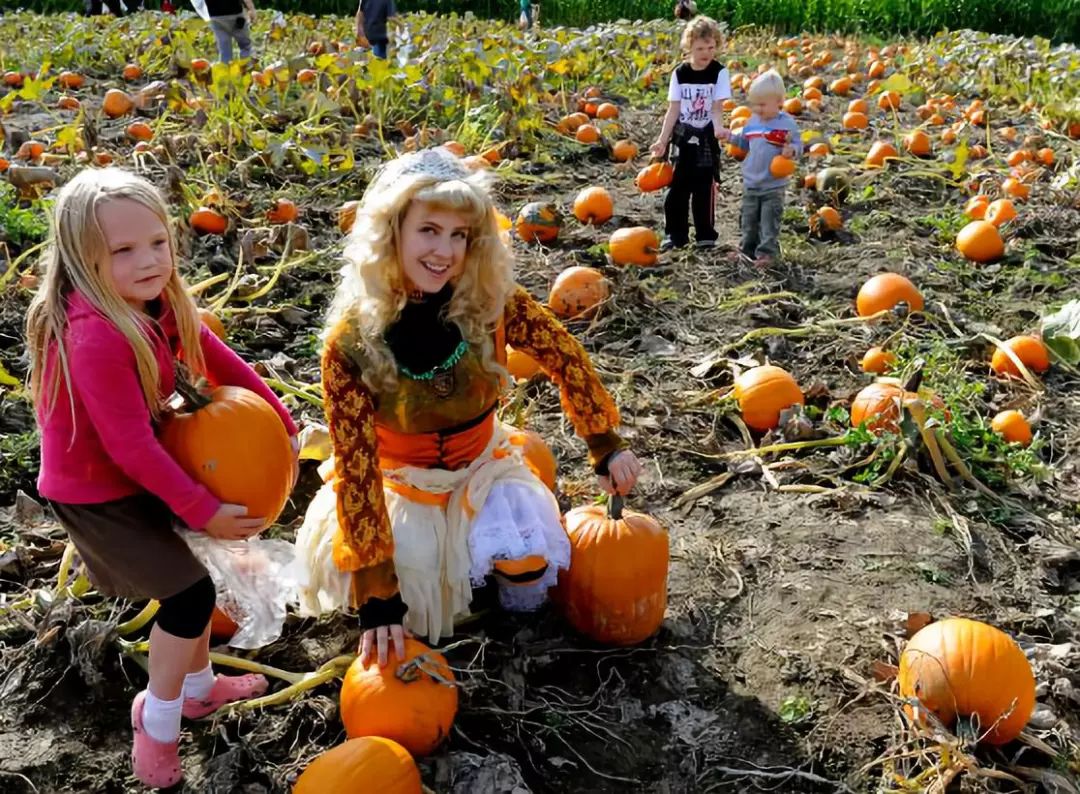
[764, 392]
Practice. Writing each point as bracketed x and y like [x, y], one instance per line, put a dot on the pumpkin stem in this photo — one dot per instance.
[915, 381]
[193, 396]
[615, 506]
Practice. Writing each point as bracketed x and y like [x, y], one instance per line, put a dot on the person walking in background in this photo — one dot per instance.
[95, 8]
[530, 15]
[227, 21]
[371, 17]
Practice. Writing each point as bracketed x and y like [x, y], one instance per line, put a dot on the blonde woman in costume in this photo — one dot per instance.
[426, 494]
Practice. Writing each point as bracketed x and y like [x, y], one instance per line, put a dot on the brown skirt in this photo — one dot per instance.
[130, 548]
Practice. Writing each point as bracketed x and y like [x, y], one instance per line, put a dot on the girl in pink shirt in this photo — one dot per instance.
[104, 331]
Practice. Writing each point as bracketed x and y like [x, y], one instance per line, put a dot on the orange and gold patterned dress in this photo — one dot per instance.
[420, 476]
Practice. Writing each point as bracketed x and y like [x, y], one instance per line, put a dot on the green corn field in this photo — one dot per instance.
[1057, 20]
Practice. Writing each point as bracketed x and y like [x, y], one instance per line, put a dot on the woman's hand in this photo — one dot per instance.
[379, 640]
[658, 149]
[623, 470]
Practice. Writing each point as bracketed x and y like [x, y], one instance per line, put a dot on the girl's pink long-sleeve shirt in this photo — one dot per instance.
[98, 441]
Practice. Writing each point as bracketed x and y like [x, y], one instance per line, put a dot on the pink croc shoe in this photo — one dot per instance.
[226, 689]
[156, 764]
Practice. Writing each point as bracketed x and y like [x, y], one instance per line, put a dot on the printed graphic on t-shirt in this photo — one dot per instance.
[697, 91]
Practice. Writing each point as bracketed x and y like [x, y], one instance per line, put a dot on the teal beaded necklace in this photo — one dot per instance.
[449, 363]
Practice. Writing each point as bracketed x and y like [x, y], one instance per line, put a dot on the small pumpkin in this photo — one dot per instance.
[889, 100]
[412, 700]
[781, 167]
[1012, 426]
[369, 763]
[233, 442]
[636, 245]
[964, 668]
[1029, 349]
[520, 365]
[885, 291]
[736, 152]
[877, 360]
[211, 321]
[139, 131]
[654, 177]
[283, 211]
[878, 405]
[587, 133]
[594, 205]
[117, 103]
[826, 219]
[855, 121]
[976, 206]
[205, 220]
[538, 456]
[132, 72]
[615, 591]
[1000, 211]
[578, 292]
[918, 143]
[71, 80]
[623, 151]
[606, 110]
[1015, 188]
[762, 393]
[980, 241]
[879, 155]
[538, 221]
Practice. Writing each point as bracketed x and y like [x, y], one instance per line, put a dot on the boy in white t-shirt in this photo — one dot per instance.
[692, 125]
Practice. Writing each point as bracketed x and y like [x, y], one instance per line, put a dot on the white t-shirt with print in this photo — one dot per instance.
[697, 90]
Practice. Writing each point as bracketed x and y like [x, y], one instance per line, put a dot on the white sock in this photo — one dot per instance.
[198, 685]
[161, 718]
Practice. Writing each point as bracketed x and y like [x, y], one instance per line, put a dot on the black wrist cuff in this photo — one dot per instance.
[377, 612]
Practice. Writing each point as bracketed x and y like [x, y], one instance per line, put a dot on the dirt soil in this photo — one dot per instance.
[782, 598]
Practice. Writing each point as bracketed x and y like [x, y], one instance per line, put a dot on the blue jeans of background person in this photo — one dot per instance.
[229, 27]
[378, 49]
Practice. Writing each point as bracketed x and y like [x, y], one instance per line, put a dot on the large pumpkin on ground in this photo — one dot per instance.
[960, 667]
[538, 221]
[615, 591]
[233, 442]
[636, 245]
[594, 205]
[762, 393]
[412, 700]
[371, 763]
[1012, 426]
[885, 291]
[578, 292]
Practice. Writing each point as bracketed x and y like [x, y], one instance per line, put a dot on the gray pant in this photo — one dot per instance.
[762, 211]
[227, 28]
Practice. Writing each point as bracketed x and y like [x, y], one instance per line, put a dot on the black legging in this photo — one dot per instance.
[187, 614]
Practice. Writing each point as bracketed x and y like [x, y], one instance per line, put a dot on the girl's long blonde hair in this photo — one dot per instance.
[372, 291]
[76, 258]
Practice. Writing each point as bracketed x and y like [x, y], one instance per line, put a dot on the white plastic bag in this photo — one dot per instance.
[256, 581]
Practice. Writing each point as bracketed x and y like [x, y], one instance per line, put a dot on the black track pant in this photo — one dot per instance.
[691, 185]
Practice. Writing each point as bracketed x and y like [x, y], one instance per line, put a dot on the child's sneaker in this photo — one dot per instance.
[227, 689]
[763, 261]
[669, 245]
[155, 764]
[705, 244]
